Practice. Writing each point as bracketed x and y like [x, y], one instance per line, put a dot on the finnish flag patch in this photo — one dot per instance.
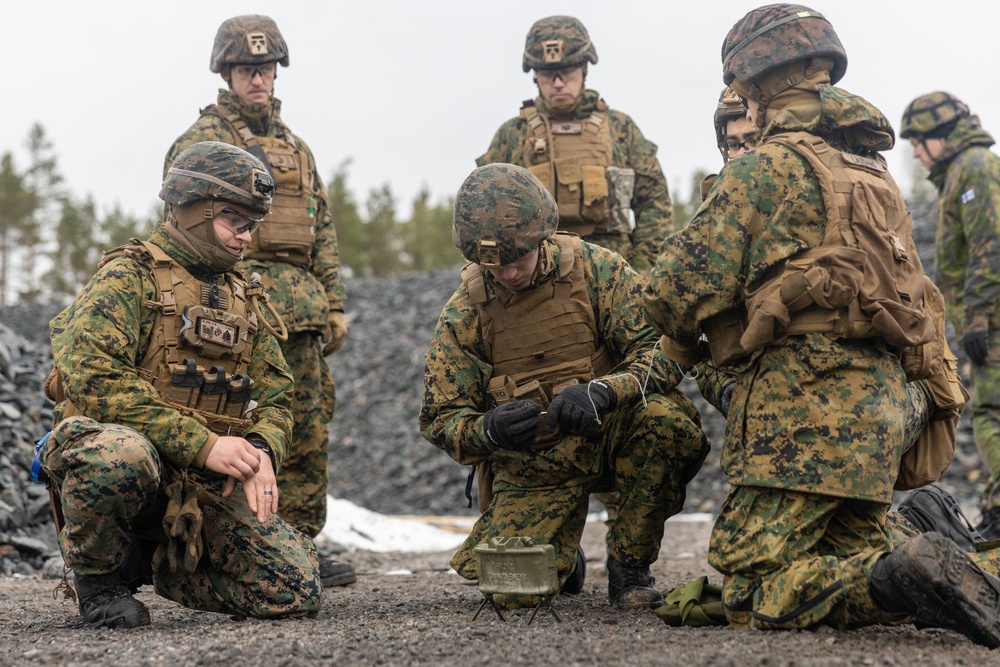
[968, 196]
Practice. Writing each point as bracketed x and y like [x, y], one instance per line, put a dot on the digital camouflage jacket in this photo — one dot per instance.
[303, 296]
[456, 379]
[810, 414]
[630, 149]
[100, 338]
[968, 231]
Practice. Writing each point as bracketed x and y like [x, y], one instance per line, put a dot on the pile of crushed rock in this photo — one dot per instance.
[377, 457]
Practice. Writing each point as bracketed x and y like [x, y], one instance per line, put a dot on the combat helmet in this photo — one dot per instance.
[555, 42]
[730, 108]
[502, 212]
[933, 115]
[775, 35]
[218, 171]
[248, 40]
[206, 179]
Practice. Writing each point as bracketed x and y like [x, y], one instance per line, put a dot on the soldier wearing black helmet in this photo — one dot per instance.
[603, 172]
[802, 253]
[950, 142]
[295, 252]
[543, 371]
[173, 415]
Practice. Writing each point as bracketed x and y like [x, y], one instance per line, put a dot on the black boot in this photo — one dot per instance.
[632, 587]
[989, 524]
[930, 578]
[931, 509]
[106, 603]
[333, 573]
[136, 569]
[574, 582]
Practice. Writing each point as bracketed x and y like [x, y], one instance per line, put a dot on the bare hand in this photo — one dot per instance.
[262, 490]
[235, 457]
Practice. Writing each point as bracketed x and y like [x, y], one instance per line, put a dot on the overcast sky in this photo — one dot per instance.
[411, 91]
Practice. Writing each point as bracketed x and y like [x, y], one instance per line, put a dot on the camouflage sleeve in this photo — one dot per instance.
[713, 379]
[206, 128]
[326, 250]
[654, 219]
[615, 289]
[704, 267]
[273, 384]
[456, 384]
[95, 343]
[968, 248]
[507, 145]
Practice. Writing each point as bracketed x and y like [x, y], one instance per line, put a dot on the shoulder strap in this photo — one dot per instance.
[236, 124]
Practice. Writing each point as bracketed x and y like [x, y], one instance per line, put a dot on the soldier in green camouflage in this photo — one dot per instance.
[161, 480]
[295, 252]
[815, 430]
[542, 366]
[593, 159]
[950, 142]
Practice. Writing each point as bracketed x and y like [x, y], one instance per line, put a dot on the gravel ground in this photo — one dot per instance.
[425, 618]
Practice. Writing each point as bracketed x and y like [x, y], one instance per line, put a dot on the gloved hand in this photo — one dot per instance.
[574, 407]
[182, 523]
[977, 346]
[726, 399]
[513, 425]
[335, 334]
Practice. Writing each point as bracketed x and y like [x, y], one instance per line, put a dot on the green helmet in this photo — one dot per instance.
[929, 112]
[502, 212]
[248, 40]
[556, 42]
[220, 172]
[730, 108]
[775, 35]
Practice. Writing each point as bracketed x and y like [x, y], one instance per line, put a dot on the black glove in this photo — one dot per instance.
[573, 408]
[513, 425]
[726, 399]
[977, 346]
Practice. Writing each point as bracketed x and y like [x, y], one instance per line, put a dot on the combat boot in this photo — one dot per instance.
[136, 569]
[632, 587]
[574, 582]
[931, 579]
[333, 573]
[106, 603]
[989, 524]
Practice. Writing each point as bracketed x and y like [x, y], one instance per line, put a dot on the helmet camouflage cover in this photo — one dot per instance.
[775, 35]
[730, 108]
[502, 212]
[248, 40]
[218, 171]
[929, 112]
[556, 42]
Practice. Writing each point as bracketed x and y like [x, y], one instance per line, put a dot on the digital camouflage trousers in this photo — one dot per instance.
[304, 475]
[647, 453]
[111, 485]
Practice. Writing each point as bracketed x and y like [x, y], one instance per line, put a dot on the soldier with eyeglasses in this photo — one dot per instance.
[295, 251]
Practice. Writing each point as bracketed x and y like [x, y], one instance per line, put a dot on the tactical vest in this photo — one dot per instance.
[289, 230]
[202, 340]
[864, 281]
[571, 158]
[544, 341]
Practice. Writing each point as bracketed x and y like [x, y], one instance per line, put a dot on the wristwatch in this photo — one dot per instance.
[259, 444]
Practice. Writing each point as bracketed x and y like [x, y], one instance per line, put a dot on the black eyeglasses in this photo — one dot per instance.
[251, 225]
[250, 71]
[565, 74]
[747, 145]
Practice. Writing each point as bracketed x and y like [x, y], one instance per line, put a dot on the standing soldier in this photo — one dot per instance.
[954, 148]
[170, 389]
[808, 237]
[295, 252]
[547, 322]
[594, 160]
